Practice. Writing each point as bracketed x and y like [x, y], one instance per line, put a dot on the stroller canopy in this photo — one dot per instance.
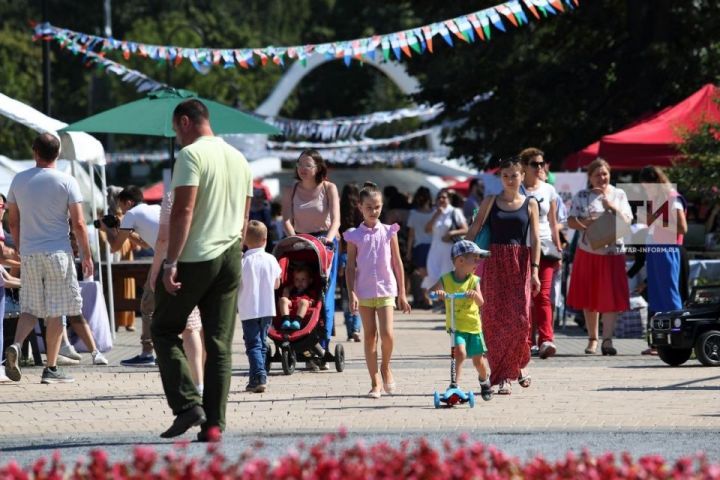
[291, 246]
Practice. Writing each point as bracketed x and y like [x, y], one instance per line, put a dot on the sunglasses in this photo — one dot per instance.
[537, 164]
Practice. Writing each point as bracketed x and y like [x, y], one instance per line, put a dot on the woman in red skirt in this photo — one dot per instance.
[510, 276]
[598, 283]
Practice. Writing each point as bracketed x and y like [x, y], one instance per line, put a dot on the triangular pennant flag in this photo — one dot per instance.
[485, 21]
[418, 33]
[445, 34]
[402, 41]
[558, 4]
[261, 54]
[427, 32]
[517, 10]
[476, 25]
[357, 53]
[395, 44]
[531, 7]
[505, 10]
[385, 43]
[240, 58]
[413, 42]
[465, 28]
[454, 29]
[495, 19]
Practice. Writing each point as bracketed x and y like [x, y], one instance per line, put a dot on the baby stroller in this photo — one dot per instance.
[303, 344]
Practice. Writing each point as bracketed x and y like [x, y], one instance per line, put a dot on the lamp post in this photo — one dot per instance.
[46, 64]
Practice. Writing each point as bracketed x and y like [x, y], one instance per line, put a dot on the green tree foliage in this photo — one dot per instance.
[561, 83]
[697, 170]
[558, 83]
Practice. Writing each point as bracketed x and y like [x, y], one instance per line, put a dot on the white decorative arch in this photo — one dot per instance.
[395, 71]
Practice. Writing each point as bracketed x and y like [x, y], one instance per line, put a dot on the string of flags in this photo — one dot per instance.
[350, 144]
[405, 43]
[351, 127]
[142, 82]
[331, 129]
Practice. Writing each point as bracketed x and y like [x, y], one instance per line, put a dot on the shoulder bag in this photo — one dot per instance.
[482, 239]
[455, 226]
[606, 230]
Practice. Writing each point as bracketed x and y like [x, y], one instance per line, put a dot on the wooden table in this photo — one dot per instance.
[137, 269]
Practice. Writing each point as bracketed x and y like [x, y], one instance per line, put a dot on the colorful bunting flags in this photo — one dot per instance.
[418, 40]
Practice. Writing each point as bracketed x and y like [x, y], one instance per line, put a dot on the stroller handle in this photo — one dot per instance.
[434, 296]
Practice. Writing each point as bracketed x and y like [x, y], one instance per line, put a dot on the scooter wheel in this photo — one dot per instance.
[436, 400]
[471, 399]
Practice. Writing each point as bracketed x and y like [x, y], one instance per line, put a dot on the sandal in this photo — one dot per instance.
[592, 346]
[525, 381]
[389, 388]
[374, 394]
[608, 350]
[504, 388]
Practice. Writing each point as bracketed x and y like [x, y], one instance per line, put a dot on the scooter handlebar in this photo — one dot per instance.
[434, 296]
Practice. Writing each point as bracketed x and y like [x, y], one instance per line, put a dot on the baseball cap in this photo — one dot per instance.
[465, 246]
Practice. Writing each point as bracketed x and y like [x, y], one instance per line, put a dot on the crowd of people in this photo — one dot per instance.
[504, 251]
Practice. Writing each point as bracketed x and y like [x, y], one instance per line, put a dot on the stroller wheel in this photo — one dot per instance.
[339, 358]
[471, 399]
[268, 358]
[288, 361]
[436, 400]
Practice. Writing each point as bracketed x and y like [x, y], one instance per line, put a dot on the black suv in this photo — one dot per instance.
[697, 326]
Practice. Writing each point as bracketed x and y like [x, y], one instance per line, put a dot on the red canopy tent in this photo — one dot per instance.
[583, 157]
[653, 141]
[154, 193]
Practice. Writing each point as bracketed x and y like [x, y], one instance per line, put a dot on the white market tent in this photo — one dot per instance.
[74, 147]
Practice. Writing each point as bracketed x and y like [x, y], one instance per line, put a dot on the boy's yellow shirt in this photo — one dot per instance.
[467, 312]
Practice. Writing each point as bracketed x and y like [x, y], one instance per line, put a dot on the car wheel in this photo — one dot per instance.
[674, 356]
[707, 348]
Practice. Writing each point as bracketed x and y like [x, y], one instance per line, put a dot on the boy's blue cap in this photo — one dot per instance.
[464, 246]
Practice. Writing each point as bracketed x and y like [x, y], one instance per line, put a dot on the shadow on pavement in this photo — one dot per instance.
[684, 386]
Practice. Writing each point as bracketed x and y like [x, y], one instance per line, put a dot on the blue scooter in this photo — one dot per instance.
[454, 395]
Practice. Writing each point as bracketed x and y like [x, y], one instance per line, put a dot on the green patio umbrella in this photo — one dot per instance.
[153, 116]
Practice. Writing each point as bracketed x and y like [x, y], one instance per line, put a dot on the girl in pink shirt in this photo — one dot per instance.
[374, 276]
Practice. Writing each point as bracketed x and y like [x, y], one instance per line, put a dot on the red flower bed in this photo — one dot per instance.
[333, 459]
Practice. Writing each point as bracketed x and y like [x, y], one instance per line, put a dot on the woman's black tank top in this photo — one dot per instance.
[510, 227]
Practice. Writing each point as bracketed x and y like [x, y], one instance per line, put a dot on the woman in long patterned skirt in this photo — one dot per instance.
[510, 277]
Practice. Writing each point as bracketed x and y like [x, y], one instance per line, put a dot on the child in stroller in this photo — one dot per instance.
[298, 298]
[305, 263]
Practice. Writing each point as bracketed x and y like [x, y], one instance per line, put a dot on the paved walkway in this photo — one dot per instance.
[572, 392]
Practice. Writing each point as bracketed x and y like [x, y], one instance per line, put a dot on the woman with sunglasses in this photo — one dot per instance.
[541, 312]
[312, 206]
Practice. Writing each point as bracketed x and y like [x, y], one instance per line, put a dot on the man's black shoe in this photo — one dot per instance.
[189, 418]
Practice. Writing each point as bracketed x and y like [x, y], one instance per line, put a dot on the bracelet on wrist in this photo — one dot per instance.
[534, 265]
[167, 265]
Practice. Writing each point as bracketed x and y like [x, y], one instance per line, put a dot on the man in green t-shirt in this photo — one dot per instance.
[212, 188]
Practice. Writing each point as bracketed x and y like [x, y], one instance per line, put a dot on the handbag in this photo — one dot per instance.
[482, 239]
[455, 238]
[548, 250]
[606, 230]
